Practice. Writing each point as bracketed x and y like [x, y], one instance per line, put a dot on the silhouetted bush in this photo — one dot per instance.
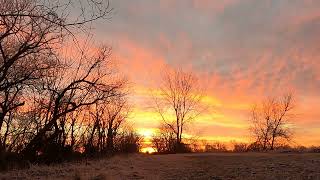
[55, 153]
[164, 143]
[215, 147]
[127, 142]
[297, 149]
[90, 150]
[182, 148]
[314, 149]
[12, 160]
[240, 147]
[255, 147]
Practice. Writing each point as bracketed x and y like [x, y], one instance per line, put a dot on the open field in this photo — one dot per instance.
[181, 166]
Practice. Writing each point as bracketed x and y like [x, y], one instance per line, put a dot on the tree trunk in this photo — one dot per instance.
[73, 141]
[110, 139]
[2, 115]
[272, 142]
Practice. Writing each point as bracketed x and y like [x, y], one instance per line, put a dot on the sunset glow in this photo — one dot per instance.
[160, 89]
[147, 150]
[242, 51]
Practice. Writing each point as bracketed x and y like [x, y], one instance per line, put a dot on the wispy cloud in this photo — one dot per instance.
[242, 49]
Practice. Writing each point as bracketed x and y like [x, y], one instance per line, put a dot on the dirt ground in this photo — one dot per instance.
[181, 166]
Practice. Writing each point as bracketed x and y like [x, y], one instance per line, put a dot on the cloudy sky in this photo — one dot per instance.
[243, 50]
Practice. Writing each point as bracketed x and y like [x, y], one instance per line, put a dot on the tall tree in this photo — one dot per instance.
[85, 81]
[179, 102]
[31, 32]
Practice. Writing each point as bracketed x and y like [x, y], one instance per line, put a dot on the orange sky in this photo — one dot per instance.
[243, 50]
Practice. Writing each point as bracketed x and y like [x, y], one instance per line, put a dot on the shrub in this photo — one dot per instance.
[11, 160]
[164, 143]
[314, 149]
[242, 147]
[215, 147]
[128, 142]
[182, 148]
[255, 147]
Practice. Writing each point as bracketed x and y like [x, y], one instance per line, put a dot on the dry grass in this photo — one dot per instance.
[182, 166]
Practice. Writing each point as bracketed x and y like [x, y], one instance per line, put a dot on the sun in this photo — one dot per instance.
[146, 133]
[147, 150]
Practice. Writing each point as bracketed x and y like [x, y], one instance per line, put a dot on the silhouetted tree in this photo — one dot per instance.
[270, 121]
[31, 32]
[116, 113]
[107, 118]
[86, 82]
[179, 102]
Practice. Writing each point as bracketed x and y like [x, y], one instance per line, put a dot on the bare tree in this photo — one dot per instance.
[106, 120]
[75, 122]
[179, 102]
[86, 82]
[271, 121]
[116, 113]
[31, 31]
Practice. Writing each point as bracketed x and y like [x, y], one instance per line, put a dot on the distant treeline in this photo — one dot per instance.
[203, 146]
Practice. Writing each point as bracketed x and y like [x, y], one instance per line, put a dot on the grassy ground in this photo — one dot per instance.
[182, 166]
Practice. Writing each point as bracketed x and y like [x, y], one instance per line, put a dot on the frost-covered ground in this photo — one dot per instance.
[181, 166]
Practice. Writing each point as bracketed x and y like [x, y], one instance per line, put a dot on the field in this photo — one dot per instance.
[181, 166]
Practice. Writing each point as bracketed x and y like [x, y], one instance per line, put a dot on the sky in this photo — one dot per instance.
[242, 51]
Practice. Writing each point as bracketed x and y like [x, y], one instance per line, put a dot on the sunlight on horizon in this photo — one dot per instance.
[148, 150]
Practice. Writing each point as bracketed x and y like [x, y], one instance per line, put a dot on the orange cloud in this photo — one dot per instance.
[241, 50]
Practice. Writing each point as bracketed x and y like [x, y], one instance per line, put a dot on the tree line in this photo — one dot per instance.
[51, 104]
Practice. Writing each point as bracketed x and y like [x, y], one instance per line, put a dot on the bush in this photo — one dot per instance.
[182, 148]
[11, 160]
[128, 142]
[314, 149]
[164, 144]
[255, 147]
[56, 153]
[242, 147]
[298, 149]
[215, 147]
[90, 150]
